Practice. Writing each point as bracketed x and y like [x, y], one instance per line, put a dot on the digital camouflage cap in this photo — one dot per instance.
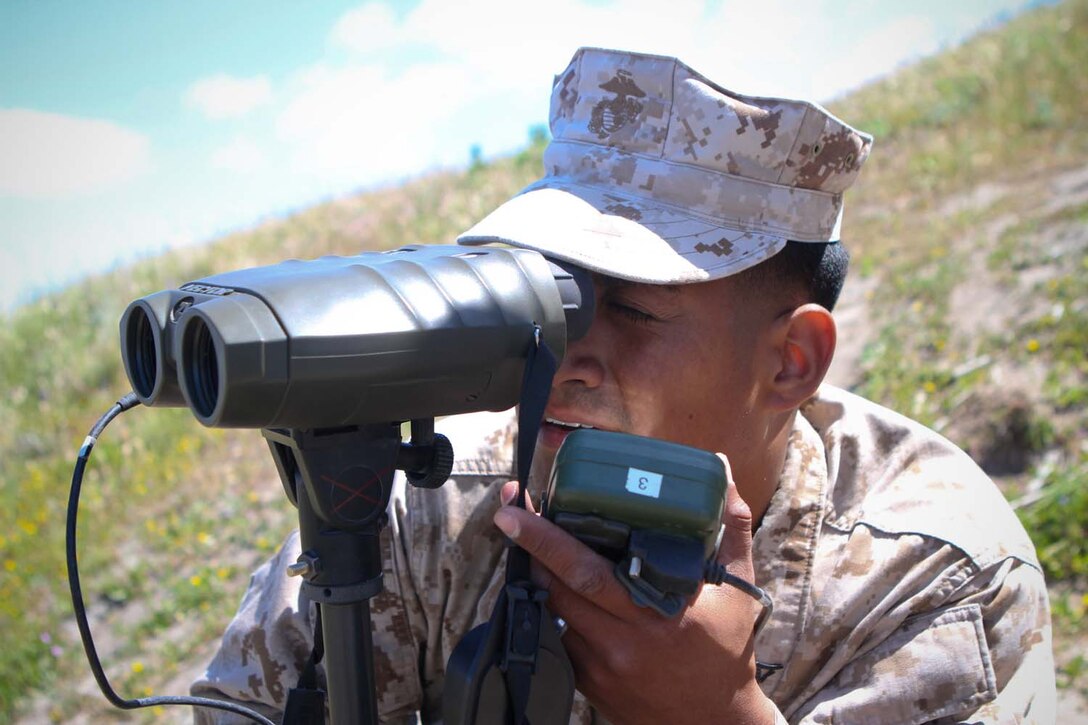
[657, 174]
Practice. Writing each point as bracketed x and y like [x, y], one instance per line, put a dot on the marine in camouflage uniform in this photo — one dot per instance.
[905, 589]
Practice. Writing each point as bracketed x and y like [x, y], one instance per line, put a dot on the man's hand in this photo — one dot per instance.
[633, 664]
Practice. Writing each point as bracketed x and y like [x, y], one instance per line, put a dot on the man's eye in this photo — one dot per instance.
[633, 314]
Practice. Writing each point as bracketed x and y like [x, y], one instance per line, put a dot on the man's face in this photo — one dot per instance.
[677, 363]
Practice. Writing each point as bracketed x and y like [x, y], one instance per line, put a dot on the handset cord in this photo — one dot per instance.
[125, 403]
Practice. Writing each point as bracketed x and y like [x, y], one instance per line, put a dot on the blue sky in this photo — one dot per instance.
[127, 127]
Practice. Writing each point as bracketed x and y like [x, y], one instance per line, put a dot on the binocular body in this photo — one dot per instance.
[416, 332]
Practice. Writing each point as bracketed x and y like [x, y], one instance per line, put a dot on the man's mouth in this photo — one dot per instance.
[554, 431]
[565, 424]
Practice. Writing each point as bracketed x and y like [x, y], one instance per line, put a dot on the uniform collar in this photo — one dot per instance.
[783, 547]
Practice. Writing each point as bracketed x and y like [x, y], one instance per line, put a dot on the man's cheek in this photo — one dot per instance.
[657, 415]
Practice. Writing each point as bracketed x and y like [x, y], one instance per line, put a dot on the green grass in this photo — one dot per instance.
[1059, 524]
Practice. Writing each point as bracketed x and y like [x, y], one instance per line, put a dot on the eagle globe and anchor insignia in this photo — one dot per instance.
[612, 114]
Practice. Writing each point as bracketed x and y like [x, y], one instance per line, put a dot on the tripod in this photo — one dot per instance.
[340, 480]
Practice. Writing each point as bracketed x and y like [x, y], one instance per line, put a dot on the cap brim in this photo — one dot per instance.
[621, 235]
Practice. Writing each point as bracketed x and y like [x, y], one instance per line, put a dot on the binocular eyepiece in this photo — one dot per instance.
[416, 332]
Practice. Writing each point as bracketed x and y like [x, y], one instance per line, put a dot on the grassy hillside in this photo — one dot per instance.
[968, 309]
[969, 232]
[970, 238]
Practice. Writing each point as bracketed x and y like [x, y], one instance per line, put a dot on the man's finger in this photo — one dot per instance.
[580, 568]
[582, 614]
[509, 492]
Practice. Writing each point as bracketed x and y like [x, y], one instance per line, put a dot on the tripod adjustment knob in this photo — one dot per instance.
[441, 464]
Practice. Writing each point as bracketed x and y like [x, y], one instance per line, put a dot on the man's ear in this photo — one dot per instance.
[804, 343]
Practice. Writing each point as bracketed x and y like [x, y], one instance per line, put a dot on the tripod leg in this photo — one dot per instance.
[348, 662]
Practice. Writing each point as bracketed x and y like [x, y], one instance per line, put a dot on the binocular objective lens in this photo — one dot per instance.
[201, 363]
[142, 355]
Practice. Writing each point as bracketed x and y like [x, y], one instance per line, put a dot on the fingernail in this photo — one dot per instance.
[507, 523]
[507, 494]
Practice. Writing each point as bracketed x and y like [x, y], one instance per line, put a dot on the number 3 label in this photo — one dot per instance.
[644, 483]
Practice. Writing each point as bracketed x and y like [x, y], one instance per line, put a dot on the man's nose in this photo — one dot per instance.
[584, 361]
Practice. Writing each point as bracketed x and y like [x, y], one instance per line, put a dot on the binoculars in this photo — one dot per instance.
[415, 332]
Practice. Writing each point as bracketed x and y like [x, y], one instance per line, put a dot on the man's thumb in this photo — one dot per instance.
[735, 550]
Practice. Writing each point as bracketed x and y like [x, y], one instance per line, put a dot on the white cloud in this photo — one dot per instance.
[728, 41]
[359, 122]
[46, 155]
[241, 155]
[366, 29]
[223, 96]
[816, 50]
[493, 38]
[378, 116]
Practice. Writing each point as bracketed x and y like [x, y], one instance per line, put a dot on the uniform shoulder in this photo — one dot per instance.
[483, 443]
[896, 475]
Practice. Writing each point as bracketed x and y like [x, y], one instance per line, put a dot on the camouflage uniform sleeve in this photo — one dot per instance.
[985, 657]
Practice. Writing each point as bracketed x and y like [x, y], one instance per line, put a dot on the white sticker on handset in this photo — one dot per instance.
[644, 483]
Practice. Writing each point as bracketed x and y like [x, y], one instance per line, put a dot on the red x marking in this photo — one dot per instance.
[356, 493]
